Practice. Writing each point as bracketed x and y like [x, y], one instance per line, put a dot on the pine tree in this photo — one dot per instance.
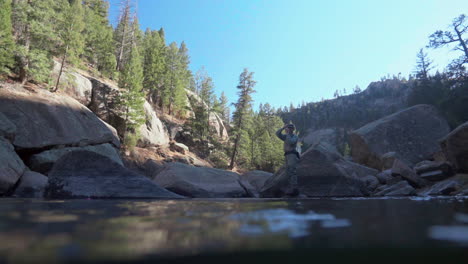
[423, 65]
[7, 44]
[173, 94]
[153, 64]
[34, 25]
[123, 35]
[98, 33]
[71, 40]
[132, 98]
[243, 109]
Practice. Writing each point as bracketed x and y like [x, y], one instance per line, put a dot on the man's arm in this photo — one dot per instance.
[280, 135]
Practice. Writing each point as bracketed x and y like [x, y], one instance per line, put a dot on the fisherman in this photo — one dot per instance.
[291, 157]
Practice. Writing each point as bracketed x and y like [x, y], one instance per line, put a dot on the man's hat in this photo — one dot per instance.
[291, 126]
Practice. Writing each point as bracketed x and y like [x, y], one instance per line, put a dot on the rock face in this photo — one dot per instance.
[74, 84]
[455, 147]
[11, 166]
[44, 161]
[323, 173]
[328, 135]
[32, 185]
[200, 182]
[153, 132]
[412, 134]
[46, 119]
[179, 147]
[257, 178]
[82, 174]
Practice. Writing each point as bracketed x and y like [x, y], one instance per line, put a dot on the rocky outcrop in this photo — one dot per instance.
[84, 174]
[455, 147]
[257, 178]
[323, 173]
[32, 185]
[73, 84]
[44, 161]
[153, 132]
[179, 147]
[11, 166]
[200, 182]
[412, 134]
[45, 119]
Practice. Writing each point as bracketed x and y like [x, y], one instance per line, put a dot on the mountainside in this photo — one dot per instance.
[334, 118]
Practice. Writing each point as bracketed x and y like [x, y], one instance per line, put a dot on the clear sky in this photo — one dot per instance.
[300, 50]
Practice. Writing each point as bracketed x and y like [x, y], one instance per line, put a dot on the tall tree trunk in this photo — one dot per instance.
[24, 62]
[61, 69]
[236, 143]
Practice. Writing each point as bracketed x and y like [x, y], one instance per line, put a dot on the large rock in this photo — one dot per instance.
[200, 182]
[445, 187]
[32, 185]
[323, 173]
[433, 170]
[74, 84]
[401, 188]
[82, 174]
[7, 128]
[11, 166]
[401, 169]
[44, 161]
[45, 119]
[257, 178]
[455, 147]
[412, 134]
[153, 132]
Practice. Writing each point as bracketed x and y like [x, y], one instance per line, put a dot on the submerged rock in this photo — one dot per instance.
[83, 174]
[412, 134]
[200, 182]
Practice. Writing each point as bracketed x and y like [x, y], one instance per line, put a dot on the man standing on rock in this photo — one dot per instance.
[291, 157]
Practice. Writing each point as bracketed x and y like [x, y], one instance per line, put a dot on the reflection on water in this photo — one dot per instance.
[56, 231]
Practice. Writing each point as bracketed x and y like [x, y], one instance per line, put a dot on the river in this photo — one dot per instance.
[88, 231]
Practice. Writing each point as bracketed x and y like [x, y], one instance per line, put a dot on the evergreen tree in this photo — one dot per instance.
[243, 109]
[98, 34]
[154, 64]
[423, 65]
[457, 37]
[123, 34]
[173, 94]
[132, 97]
[223, 107]
[7, 44]
[34, 24]
[71, 40]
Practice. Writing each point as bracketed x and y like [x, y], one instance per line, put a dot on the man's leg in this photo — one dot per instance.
[291, 164]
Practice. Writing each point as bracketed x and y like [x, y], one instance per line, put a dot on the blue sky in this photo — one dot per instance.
[300, 50]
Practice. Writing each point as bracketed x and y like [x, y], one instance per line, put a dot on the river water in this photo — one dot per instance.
[55, 231]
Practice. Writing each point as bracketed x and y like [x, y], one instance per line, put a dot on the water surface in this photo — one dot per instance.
[50, 231]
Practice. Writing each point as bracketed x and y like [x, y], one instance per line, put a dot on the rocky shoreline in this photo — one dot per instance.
[66, 145]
